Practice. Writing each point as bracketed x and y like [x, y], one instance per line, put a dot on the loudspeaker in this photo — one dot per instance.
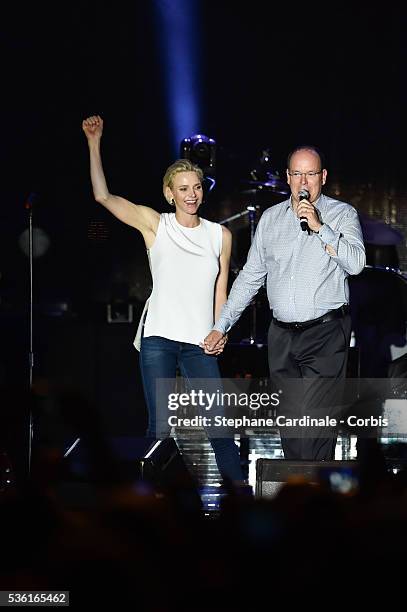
[156, 464]
[271, 474]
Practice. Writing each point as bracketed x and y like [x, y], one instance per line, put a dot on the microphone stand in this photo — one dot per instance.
[29, 207]
[247, 211]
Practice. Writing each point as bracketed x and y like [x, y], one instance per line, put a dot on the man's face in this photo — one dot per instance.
[299, 174]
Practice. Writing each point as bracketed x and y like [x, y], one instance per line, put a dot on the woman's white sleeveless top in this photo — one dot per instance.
[184, 265]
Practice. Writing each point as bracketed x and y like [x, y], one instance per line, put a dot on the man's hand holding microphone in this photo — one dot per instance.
[307, 213]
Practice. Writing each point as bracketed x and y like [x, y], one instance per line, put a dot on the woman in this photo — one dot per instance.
[189, 259]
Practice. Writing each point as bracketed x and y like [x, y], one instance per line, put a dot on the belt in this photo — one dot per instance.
[328, 316]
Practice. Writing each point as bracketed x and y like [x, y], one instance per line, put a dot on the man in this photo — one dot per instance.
[306, 246]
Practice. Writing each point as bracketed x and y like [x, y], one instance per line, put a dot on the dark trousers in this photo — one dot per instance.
[309, 366]
[159, 358]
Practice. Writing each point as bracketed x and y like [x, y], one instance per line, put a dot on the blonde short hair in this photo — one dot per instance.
[180, 165]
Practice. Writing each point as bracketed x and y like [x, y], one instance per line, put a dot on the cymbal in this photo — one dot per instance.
[271, 185]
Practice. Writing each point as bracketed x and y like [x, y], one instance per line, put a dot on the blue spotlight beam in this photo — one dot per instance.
[178, 27]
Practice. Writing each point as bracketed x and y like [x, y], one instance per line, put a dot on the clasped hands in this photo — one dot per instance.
[214, 343]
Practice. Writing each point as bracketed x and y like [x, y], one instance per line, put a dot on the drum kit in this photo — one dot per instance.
[381, 276]
[264, 189]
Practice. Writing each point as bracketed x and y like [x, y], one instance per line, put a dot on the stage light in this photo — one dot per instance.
[201, 150]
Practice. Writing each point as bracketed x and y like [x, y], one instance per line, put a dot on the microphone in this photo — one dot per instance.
[303, 194]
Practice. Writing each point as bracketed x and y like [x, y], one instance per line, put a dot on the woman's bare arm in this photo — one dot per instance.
[142, 218]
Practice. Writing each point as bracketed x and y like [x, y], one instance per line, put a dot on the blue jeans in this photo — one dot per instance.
[159, 358]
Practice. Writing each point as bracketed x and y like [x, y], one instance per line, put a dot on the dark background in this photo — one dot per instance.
[268, 76]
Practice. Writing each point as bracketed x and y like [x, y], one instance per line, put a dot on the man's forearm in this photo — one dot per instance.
[345, 245]
[247, 284]
[243, 290]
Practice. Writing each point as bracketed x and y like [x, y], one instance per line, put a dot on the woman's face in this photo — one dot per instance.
[187, 192]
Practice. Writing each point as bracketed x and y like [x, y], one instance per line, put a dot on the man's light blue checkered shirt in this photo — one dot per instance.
[303, 280]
